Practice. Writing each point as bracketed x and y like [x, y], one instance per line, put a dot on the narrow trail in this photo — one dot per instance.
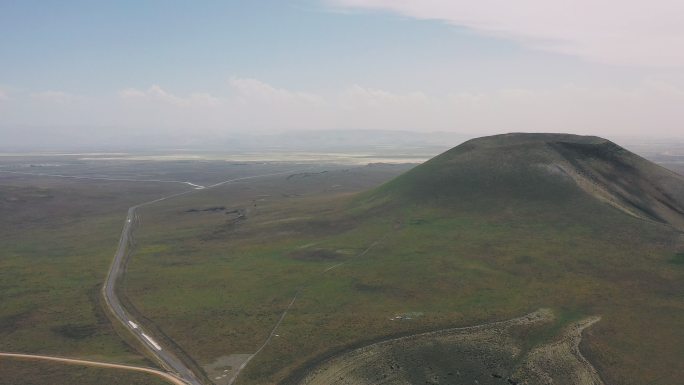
[73, 361]
[299, 291]
[362, 253]
[268, 340]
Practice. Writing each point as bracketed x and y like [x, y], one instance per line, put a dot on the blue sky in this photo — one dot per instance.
[227, 66]
[95, 46]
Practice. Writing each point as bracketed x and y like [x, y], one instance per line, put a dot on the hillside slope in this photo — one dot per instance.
[487, 232]
[491, 171]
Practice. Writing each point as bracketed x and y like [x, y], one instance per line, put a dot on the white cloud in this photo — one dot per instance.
[363, 107]
[623, 32]
[157, 94]
[256, 90]
[3, 95]
[651, 108]
[57, 97]
[369, 97]
[250, 104]
[132, 93]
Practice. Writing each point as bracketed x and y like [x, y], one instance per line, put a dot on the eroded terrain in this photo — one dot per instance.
[495, 353]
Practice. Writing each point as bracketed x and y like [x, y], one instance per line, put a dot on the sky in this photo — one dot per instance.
[94, 71]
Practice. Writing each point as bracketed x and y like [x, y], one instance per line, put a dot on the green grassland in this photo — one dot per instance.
[24, 372]
[196, 250]
[58, 237]
[492, 236]
[490, 240]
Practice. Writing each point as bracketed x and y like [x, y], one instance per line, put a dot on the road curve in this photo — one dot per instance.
[72, 361]
[165, 357]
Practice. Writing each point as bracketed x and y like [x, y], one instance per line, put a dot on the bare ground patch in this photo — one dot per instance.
[224, 369]
[561, 362]
[484, 354]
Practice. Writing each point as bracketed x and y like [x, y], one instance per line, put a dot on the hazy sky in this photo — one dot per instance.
[94, 69]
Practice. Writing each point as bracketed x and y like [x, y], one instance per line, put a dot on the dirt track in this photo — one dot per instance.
[72, 361]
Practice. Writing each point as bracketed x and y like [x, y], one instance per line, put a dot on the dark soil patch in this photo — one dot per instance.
[678, 259]
[208, 209]
[76, 331]
[12, 322]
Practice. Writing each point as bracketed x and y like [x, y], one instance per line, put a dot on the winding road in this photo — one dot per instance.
[178, 372]
[164, 356]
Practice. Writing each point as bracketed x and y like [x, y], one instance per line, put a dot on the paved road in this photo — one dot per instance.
[165, 357]
[73, 361]
[180, 373]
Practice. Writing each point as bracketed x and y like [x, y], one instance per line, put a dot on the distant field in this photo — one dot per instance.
[162, 167]
[59, 236]
[228, 291]
[216, 270]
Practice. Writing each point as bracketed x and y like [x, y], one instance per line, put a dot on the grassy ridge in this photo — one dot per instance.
[466, 272]
[488, 239]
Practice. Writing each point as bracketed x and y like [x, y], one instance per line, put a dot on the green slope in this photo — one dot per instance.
[501, 171]
[490, 230]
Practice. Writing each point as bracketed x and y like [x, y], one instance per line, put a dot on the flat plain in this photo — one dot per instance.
[62, 217]
[354, 260]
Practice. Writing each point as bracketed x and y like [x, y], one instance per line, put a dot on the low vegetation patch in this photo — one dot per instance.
[678, 259]
[490, 354]
[76, 331]
[208, 209]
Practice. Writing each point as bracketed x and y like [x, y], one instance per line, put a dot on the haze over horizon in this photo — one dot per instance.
[341, 192]
[175, 73]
